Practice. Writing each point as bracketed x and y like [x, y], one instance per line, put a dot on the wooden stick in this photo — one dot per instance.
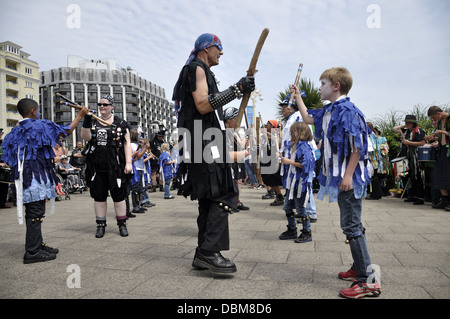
[79, 107]
[297, 78]
[251, 71]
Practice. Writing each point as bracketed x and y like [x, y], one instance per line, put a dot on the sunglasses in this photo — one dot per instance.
[103, 104]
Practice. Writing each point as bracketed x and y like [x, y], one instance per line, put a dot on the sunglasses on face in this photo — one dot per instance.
[103, 104]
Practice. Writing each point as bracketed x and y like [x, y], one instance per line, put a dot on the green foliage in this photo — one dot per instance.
[386, 123]
[312, 99]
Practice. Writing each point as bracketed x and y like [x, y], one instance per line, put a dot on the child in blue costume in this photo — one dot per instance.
[166, 169]
[298, 181]
[28, 151]
[344, 176]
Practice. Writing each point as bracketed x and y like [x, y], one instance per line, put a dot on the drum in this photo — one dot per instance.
[5, 175]
[426, 154]
[400, 164]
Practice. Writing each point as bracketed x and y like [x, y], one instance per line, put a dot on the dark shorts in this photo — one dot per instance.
[272, 179]
[239, 170]
[100, 187]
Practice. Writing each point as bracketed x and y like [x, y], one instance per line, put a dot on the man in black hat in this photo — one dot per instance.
[412, 138]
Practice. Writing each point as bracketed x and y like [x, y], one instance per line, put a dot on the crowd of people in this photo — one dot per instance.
[344, 158]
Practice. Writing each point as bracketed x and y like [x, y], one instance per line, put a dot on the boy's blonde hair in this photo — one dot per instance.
[165, 147]
[341, 75]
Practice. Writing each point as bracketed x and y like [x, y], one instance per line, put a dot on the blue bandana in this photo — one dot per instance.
[204, 41]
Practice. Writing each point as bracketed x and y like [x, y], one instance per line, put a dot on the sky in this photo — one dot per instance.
[398, 51]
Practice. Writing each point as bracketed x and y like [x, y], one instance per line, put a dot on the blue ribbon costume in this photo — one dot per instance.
[28, 150]
[342, 127]
[167, 170]
[297, 178]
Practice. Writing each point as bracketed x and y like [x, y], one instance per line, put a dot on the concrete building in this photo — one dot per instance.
[140, 102]
[19, 78]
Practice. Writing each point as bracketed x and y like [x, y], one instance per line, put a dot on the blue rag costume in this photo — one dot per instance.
[342, 128]
[167, 170]
[297, 178]
[28, 150]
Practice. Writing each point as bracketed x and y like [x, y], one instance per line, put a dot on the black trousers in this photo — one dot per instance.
[417, 189]
[34, 212]
[212, 222]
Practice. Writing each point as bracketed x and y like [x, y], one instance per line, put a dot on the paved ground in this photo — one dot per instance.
[411, 245]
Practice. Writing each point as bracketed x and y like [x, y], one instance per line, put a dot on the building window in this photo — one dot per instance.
[28, 70]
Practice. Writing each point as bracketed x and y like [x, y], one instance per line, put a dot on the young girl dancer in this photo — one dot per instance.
[298, 181]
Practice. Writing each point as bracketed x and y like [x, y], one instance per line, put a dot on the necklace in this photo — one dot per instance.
[105, 119]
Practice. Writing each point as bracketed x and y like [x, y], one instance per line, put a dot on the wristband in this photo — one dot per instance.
[220, 99]
[87, 122]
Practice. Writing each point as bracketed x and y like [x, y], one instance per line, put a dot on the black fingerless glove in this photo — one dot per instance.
[87, 122]
[246, 84]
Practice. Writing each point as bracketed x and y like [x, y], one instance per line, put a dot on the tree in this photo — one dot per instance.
[312, 99]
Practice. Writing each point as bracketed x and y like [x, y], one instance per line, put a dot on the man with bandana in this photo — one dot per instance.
[199, 103]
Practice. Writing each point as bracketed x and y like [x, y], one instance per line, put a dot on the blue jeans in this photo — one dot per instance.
[298, 204]
[167, 187]
[250, 173]
[350, 209]
[311, 207]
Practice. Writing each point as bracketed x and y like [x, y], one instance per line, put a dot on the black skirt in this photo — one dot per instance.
[272, 179]
[441, 174]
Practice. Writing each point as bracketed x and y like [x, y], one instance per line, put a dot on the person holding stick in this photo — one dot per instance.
[108, 163]
[291, 113]
[272, 180]
[208, 181]
[28, 151]
[412, 137]
[344, 175]
[301, 164]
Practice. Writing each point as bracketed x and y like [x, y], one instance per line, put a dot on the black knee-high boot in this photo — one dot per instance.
[101, 224]
[122, 227]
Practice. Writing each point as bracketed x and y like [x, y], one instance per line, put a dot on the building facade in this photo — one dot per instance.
[19, 78]
[140, 102]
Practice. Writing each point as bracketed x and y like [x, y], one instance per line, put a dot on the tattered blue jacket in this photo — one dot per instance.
[342, 128]
[300, 178]
[28, 150]
[166, 170]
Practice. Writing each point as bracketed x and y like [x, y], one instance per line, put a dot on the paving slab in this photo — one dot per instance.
[409, 243]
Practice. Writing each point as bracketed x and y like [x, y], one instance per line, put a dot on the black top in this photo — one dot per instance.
[211, 180]
[105, 151]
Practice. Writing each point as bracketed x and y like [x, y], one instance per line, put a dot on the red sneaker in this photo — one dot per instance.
[360, 289]
[348, 275]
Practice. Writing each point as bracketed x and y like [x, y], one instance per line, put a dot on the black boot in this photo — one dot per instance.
[214, 261]
[304, 237]
[40, 256]
[122, 228]
[193, 262]
[289, 234]
[101, 224]
[279, 200]
[443, 203]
